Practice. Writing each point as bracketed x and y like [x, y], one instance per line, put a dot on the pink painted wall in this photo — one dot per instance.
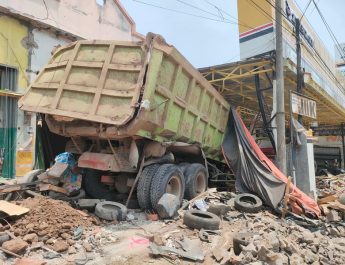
[84, 18]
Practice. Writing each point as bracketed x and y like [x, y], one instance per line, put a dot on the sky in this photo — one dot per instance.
[207, 33]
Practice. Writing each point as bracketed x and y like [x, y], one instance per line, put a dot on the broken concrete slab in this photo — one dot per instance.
[163, 250]
[15, 245]
[167, 206]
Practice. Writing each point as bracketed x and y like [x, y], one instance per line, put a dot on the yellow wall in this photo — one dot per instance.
[251, 16]
[12, 52]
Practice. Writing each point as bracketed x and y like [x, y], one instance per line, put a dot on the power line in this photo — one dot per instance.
[335, 40]
[267, 15]
[222, 11]
[200, 9]
[332, 76]
[305, 10]
[182, 12]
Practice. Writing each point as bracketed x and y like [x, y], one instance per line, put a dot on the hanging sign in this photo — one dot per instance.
[303, 106]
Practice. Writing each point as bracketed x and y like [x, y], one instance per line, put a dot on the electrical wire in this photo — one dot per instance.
[305, 10]
[330, 73]
[200, 9]
[331, 33]
[222, 11]
[182, 12]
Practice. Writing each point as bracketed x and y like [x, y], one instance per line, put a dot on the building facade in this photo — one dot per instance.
[29, 31]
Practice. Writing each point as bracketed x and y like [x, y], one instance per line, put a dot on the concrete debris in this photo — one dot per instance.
[53, 230]
[167, 206]
[60, 246]
[15, 245]
[163, 250]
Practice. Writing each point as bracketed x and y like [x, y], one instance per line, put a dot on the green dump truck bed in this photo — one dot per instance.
[113, 90]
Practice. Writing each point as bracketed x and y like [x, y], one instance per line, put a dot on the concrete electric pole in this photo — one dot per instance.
[299, 70]
[280, 116]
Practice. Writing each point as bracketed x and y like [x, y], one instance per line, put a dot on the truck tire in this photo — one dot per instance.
[144, 185]
[197, 219]
[196, 180]
[111, 211]
[248, 203]
[96, 189]
[168, 179]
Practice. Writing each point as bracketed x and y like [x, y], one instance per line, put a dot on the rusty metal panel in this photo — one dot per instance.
[105, 162]
[90, 80]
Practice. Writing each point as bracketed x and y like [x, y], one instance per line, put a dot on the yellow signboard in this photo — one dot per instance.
[24, 162]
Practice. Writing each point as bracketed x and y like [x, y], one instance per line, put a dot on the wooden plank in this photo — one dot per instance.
[330, 198]
[47, 186]
[12, 209]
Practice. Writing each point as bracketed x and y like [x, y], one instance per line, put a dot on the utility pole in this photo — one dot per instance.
[280, 115]
[299, 70]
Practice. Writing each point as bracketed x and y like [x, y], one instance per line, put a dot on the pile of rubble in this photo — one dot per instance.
[252, 238]
[50, 218]
[51, 222]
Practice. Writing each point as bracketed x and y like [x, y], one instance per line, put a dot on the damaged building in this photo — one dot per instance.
[30, 31]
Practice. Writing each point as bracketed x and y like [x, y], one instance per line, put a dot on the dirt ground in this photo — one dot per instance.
[269, 238]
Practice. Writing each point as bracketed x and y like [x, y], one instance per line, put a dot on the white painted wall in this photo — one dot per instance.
[84, 18]
[45, 42]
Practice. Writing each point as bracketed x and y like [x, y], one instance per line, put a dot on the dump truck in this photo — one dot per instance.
[135, 114]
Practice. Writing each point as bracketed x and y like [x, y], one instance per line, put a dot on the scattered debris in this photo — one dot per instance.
[163, 250]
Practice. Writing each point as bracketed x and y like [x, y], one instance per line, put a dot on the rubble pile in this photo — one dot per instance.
[330, 184]
[257, 238]
[50, 221]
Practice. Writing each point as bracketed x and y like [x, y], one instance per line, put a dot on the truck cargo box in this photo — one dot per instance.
[112, 90]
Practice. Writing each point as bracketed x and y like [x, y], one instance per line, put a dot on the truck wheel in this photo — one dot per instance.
[168, 179]
[144, 184]
[96, 189]
[196, 180]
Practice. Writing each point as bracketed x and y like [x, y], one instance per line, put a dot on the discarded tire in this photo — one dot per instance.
[168, 179]
[111, 211]
[96, 189]
[144, 185]
[199, 219]
[248, 203]
[196, 180]
[59, 196]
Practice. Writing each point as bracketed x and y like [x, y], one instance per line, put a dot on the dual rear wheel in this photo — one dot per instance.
[186, 181]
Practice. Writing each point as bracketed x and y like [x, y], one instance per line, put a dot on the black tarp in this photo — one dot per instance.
[252, 174]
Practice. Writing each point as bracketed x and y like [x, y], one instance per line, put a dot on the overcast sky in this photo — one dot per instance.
[205, 41]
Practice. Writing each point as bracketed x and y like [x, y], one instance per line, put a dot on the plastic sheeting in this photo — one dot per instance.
[255, 173]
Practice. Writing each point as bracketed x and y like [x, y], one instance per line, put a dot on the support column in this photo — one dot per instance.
[281, 146]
